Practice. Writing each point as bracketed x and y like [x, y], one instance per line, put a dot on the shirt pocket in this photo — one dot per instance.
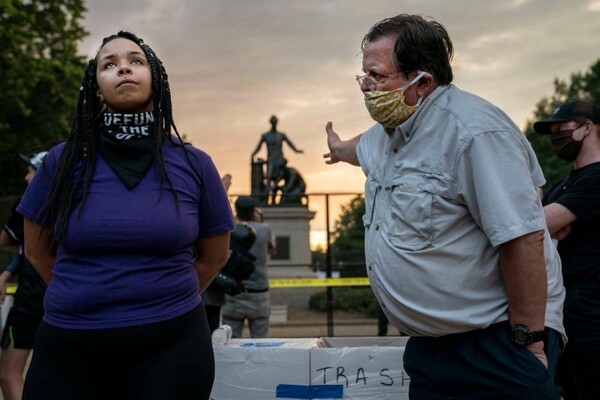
[411, 217]
[417, 209]
[372, 188]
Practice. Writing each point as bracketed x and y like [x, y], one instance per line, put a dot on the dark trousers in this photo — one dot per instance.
[483, 364]
[213, 314]
[382, 323]
[167, 360]
[579, 365]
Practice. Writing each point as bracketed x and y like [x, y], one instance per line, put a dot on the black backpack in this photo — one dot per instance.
[240, 264]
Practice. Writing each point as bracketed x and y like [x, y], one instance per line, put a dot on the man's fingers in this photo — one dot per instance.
[332, 137]
[329, 127]
[329, 159]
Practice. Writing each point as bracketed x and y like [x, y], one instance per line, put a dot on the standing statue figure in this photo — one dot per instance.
[276, 163]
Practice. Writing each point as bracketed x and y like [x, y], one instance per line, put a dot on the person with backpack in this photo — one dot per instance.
[253, 303]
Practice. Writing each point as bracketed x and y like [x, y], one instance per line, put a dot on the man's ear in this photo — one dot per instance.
[593, 128]
[425, 85]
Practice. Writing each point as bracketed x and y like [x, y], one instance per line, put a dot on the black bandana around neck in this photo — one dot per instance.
[127, 143]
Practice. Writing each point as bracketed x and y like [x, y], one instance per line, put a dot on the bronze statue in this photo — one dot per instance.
[294, 189]
[265, 189]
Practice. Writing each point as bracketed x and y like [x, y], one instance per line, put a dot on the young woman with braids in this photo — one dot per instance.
[127, 224]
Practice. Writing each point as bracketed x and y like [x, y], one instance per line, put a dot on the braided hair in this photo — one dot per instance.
[77, 164]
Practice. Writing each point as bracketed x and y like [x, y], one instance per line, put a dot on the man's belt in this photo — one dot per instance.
[256, 290]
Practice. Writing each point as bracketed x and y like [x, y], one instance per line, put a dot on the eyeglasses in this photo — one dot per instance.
[372, 82]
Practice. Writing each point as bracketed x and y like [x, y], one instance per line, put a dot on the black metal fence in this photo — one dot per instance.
[332, 274]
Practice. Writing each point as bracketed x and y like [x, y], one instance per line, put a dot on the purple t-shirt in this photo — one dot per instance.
[127, 259]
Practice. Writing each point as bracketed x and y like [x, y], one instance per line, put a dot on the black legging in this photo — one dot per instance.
[167, 360]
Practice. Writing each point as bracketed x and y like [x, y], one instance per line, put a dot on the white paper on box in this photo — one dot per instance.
[364, 371]
[253, 372]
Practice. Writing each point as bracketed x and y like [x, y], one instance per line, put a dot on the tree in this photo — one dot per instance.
[584, 86]
[349, 237]
[348, 248]
[41, 73]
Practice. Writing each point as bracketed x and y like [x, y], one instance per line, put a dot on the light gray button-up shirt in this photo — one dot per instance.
[443, 192]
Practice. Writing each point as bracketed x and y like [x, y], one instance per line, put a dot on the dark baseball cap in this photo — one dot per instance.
[36, 160]
[245, 203]
[578, 109]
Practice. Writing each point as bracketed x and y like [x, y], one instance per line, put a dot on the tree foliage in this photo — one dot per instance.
[348, 249]
[581, 85]
[41, 73]
[349, 236]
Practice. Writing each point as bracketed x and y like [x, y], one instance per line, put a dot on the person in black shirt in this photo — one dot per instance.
[27, 310]
[572, 210]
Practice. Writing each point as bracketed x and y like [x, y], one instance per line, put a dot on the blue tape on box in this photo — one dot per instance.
[262, 344]
[308, 392]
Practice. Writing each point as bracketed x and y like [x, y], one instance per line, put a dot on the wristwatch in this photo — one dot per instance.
[521, 335]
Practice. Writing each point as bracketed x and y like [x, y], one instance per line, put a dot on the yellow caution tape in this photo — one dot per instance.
[11, 288]
[285, 283]
[315, 282]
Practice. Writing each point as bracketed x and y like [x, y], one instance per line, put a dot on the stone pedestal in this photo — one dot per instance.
[291, 228]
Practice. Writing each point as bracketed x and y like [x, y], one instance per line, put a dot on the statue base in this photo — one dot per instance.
[291, 228]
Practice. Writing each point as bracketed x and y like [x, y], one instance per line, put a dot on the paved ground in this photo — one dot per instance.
[303, 323]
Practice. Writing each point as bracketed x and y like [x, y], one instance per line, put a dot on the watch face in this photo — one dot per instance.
[520, 336]
[523, 336]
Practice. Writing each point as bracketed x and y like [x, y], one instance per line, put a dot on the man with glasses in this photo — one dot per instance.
[456, 244]
[572, 209]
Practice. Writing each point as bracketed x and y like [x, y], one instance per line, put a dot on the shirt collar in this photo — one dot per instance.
[409, 127]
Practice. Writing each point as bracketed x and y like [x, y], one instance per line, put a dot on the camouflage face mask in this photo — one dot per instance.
[389, 108]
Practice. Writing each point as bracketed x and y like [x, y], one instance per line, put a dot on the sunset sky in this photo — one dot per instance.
[234, 63]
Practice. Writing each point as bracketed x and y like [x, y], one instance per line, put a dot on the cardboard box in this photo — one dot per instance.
[251, 369]
[324, 368]
[366, 368]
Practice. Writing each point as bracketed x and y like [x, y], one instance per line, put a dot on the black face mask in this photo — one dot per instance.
[127, 143]
[565, 147]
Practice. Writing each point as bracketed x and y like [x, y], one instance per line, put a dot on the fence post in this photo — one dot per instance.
[329, 290]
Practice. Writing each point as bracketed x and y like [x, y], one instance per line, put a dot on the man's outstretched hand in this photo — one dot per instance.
[333, 141]
[340, 150]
